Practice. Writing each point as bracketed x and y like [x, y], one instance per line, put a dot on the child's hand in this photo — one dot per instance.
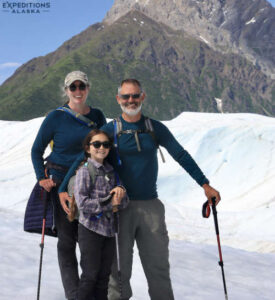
[118, 193]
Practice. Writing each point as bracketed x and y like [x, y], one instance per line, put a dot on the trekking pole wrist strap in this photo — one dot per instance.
[206, 210]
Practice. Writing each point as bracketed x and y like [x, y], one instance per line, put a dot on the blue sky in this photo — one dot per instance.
[24, 36]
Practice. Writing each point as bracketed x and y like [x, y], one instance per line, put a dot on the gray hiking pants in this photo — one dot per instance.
[143, 221]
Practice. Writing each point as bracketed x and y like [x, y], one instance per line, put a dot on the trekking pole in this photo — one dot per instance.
[206, 214]
[42, 237]
[116, 223]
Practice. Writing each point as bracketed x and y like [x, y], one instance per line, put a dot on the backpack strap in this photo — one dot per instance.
[78, 117]
[93, 171]
[150, 129]
[118, 131]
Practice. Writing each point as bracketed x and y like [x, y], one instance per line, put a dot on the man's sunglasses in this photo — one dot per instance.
[127, 96]
[98, 144]
[82, 87]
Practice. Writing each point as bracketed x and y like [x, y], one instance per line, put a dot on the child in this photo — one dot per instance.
[95, 199]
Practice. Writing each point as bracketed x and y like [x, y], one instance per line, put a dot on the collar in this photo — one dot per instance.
[105, 166]
[139, 121]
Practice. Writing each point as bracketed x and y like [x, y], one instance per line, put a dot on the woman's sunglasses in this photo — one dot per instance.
[73, 87]
[98, 144]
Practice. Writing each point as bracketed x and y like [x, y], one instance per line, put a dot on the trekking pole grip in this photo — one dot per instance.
[213, 199]
[215, 214]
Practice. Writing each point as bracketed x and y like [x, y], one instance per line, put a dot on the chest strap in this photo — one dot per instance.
[118, 131]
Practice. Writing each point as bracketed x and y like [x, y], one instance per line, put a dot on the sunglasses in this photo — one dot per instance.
[127, 96]
[98, 144]
[73, 87]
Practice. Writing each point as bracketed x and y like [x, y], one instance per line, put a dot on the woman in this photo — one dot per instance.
[67, 130]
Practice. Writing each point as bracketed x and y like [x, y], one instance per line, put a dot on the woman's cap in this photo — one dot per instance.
[76, 75]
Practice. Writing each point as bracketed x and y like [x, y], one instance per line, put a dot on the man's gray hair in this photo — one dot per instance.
[131, 81]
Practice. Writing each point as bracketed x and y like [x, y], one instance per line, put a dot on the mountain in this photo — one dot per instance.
[244, 27]
[179, 73]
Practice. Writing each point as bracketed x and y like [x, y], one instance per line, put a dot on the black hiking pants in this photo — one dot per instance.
[97, 252]
[66, 249]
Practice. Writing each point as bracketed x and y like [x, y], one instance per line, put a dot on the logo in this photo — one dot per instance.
[16, 7]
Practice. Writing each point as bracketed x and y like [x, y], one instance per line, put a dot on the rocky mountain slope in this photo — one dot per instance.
[178, 71]
[244, 27]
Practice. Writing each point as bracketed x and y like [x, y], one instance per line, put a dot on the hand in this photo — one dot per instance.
[210, 193]
[63, 198]
[118, 193]
[47, 184]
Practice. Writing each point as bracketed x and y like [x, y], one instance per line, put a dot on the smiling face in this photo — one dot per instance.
[77, 94]
[130, 99]
[99, 147]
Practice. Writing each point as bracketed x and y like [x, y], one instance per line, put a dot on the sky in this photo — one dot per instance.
[237, 154]
[24, 36]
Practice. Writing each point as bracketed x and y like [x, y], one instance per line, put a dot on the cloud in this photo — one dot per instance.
[9, 65]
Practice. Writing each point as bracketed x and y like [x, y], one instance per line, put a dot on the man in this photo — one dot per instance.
[143, 221]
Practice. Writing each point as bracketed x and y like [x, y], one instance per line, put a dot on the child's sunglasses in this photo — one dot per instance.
[98, 144]
[73, 87]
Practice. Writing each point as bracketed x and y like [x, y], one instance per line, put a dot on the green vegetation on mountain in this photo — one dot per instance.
[178, 72]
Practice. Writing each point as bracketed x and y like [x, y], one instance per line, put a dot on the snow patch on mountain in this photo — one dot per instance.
[253, 20]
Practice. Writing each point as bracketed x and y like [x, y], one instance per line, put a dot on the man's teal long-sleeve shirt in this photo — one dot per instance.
[139, 170]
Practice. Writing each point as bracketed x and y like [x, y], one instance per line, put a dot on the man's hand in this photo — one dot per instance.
[64, 198]
[210, 193]
[47, 184]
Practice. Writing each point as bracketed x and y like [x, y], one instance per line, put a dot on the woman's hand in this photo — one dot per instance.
[47, 184]
[118, 193]
[64, 200]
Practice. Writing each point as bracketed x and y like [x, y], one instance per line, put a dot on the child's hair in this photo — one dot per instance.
[88, 138]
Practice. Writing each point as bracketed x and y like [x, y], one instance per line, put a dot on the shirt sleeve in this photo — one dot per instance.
[166, 139]
[70, 173]
[125, 200]
[44, 136]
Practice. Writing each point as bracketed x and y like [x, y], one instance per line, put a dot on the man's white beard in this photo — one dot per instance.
[130, 112]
